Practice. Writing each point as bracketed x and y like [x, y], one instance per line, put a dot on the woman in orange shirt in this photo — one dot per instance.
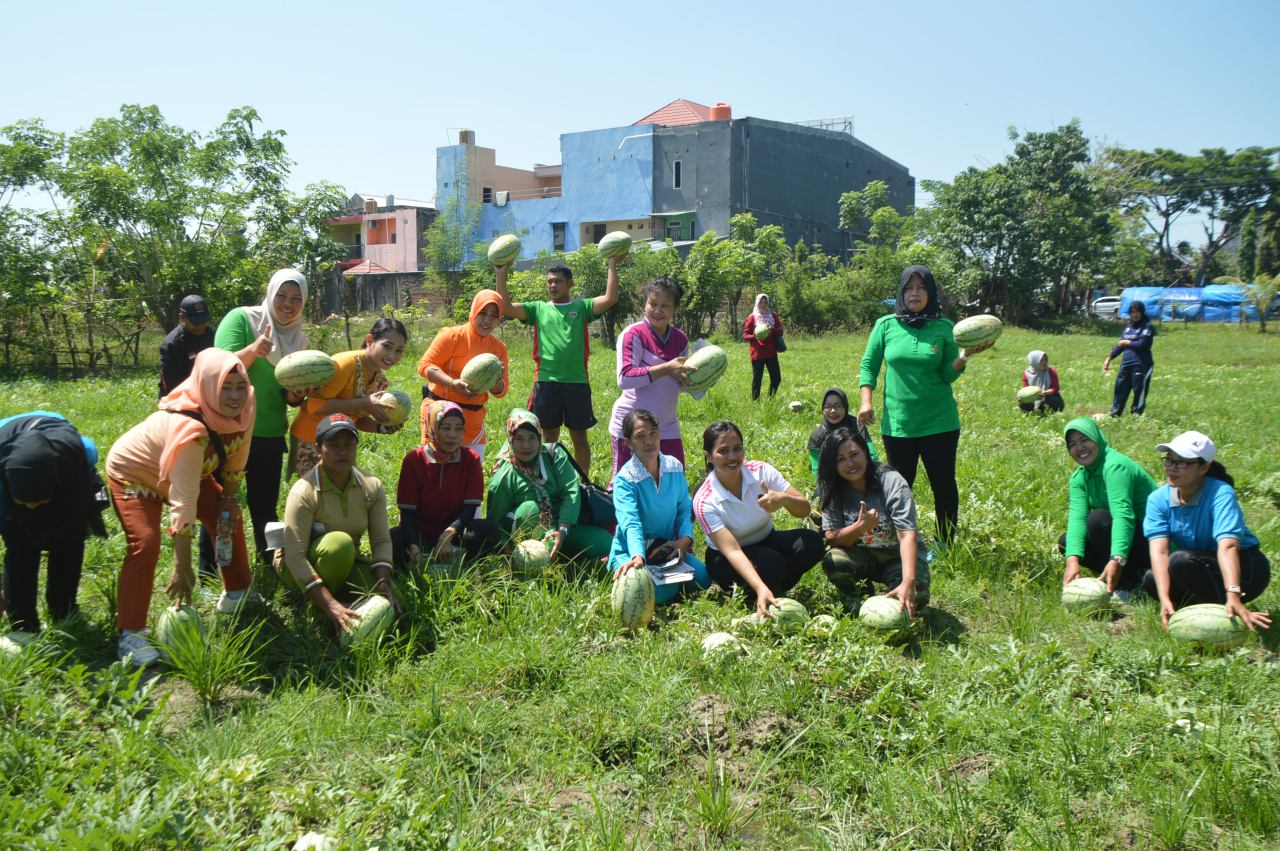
[357, 375]
[449, 352]
[189, 455]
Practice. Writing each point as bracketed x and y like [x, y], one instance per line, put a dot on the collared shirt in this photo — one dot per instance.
[640, 349]
[358, 508]
[648, 509]
[715, 508]
[437, 489]
[1212, 515]
[560, 339]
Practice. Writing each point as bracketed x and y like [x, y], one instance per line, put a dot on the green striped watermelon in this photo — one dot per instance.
[399, 411]
[531, 557]
[504, 250]
[977, 330]
[1029, 395]
[307, 368]
[1208, 625]
[883, 614]
[615, 244]
[1086, 594]
[789, 615]
[376, 616]
[707, 364]
[633, 599]
[482, 372]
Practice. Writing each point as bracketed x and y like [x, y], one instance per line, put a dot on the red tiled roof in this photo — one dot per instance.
[366, 267]
[678, 113]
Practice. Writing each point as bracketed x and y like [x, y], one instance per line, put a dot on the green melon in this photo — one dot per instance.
[1086, 594]
[763, 332]
[178, 624]
[789, 615]
[750, 624]
[530, 558]
[795, 407]
[720, 643]
[823, 625]
[1029, 395]
[376, 616]
[399, 412]
[616, 244]
[977, 330]
[504, 250]
[633, 599]
[706, 365]
[883, 614]
[1208, 625]
[482, 372]
[307, 368]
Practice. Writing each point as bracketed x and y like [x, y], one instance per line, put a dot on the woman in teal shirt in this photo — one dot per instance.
[921, 360]
[270, 331]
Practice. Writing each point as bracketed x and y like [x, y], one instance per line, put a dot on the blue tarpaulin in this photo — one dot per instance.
[1149, 296]
[1228, 303]
[1181, 303]
[1213, 303]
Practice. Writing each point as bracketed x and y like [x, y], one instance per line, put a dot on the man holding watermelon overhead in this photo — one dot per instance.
[561, 394]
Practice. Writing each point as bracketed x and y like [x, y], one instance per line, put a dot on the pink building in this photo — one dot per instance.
[385, 232]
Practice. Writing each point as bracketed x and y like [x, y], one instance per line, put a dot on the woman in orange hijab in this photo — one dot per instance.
[189, 455]
[450, 351]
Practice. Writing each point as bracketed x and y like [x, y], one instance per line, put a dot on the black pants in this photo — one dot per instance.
[479, 537]
[938, 451]
[1196, 577]
[1135, 377]
[757, 374]
[1052, 402]
[780, 559]
[1097, 549]
[65, 545]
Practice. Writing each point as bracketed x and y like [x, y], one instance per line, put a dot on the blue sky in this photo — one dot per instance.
[367, 91]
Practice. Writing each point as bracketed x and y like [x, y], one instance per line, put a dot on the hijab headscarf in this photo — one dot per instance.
[825, 428]
[437, 410]
[1037, 377]
[199, 394]
[482, 299]
[762, 312]
[932, 310]
[1087, 427]
[520, 418]
[285, 339]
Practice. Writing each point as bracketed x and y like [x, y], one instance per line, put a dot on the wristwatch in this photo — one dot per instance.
[1120, 560]
[1234, 589]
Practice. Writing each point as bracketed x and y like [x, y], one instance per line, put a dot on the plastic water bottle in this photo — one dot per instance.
[222, 545]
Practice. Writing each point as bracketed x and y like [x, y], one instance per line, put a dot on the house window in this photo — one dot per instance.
[373, 224]
[393, 238]
[673, 229]
[675, 174]
[557, 236]
[486, 195]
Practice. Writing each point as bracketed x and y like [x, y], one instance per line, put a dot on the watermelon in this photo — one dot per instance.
[504, 250]
[376, 616]
[531, 557]
[720, 643]
[482, 372]
[616, 244]
[883, 614]
[1086, 594]
[398, 413]
[178, 624]
[795, 407]
[976, 330]
[763, 332]
[823, 625]
[750, 624]
[633, 599]
[1028, 395]
[706, 366]
[788, 615]
[1208, 625]
[307, 368]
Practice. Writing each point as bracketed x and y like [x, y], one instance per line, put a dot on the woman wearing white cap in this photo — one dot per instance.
[1214, 558]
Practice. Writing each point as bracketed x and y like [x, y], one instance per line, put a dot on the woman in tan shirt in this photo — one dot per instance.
[326, 514]
[189, 455]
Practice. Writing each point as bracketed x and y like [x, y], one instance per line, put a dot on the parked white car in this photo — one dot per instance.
[1107, 307]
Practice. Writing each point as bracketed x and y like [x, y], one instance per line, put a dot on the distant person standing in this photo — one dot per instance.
[561, 393]
[181, 345]
[762, 330]
[1137, 365]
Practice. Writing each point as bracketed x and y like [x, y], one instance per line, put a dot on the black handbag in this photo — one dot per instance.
[781, 342]
[597, 503]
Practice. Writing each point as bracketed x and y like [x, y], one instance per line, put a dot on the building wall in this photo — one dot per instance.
[608, 174]
[703, 151]
[794, 176]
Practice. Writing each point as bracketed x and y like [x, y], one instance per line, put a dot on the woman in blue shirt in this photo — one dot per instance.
[1214, 558]
[651, 499]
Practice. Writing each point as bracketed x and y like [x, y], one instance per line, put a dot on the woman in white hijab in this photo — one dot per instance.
[763, 331]
[1040, 375]
[261, 335]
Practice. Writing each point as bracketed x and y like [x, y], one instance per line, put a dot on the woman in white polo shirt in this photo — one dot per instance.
[734, 507]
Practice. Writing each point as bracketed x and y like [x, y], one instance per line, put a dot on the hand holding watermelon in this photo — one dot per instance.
[554, 538]
[464, 388]
[764, 599]
[906, 593]
[635, 563]
[1253, 620]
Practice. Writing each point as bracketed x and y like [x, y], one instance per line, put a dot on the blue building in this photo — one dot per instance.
[675, 173]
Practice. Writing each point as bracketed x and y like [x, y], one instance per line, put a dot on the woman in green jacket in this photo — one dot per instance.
[921, 422]
[1107, 500]
[534, 491]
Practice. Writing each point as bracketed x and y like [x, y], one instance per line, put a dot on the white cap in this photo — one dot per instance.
[1190, 444]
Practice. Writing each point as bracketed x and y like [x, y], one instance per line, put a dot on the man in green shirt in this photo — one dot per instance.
[561, 393]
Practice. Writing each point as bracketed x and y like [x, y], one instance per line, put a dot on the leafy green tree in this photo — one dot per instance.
[709, 282]
[1246, 255]
[448, 242]
[294, 231]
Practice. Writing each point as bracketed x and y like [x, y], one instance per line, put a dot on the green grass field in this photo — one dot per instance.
[513, 714]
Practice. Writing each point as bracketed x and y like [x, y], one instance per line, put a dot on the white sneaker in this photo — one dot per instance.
[231, 602]
[136, 649]
[12, 643]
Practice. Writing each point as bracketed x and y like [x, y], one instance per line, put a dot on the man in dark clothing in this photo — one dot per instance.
[179, 349]
[1137, 365]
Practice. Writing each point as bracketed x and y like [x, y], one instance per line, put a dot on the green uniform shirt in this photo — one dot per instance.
[509, 487]
[1113, 481]
[918, 375]
[560, 345]
[234, 333]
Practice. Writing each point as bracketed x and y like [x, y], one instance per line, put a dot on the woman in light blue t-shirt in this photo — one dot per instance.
[1201, 550]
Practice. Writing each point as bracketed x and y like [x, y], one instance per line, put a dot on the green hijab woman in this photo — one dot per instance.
[1107, 498]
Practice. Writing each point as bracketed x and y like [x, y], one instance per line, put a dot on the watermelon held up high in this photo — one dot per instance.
[976, 330]
[504, 250]
[615, 244]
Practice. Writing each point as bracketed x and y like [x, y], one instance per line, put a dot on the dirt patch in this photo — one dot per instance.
[975, 768]
[709, 731]
[1120, 625]
[567, 800]
[181, 705]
